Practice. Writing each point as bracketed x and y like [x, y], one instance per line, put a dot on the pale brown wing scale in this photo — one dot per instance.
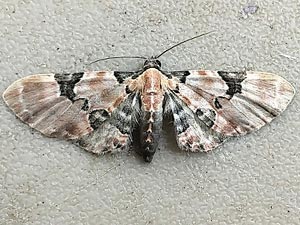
[66, 106]
[235, 103]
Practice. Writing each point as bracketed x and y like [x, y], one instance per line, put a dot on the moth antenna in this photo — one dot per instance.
[200, 35]
[118, 57]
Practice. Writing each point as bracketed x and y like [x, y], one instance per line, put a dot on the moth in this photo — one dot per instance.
[100, 110]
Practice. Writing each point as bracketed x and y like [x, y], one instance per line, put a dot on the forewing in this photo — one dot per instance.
[66, 105]
[234, 103]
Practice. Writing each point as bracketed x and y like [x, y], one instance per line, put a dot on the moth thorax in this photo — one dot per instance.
[152, 81]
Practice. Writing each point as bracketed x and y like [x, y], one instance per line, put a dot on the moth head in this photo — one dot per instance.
[152, 63]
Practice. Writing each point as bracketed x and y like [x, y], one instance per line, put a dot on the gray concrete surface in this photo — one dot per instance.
[249, 180]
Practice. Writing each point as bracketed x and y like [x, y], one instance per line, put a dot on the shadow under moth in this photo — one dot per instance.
[99, 110]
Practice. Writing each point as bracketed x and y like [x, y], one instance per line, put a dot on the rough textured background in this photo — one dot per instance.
[249, 180]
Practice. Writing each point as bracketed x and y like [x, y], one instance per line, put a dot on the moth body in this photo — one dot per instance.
[152, 95]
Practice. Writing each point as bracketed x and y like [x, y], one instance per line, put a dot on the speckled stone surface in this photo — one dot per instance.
[253, 179]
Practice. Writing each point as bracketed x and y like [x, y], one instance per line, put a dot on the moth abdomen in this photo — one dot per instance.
[150, 130]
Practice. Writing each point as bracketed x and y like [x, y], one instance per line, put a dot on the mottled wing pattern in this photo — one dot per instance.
[192, 133]
[71, 106]
[112, 132]
[232, 103]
